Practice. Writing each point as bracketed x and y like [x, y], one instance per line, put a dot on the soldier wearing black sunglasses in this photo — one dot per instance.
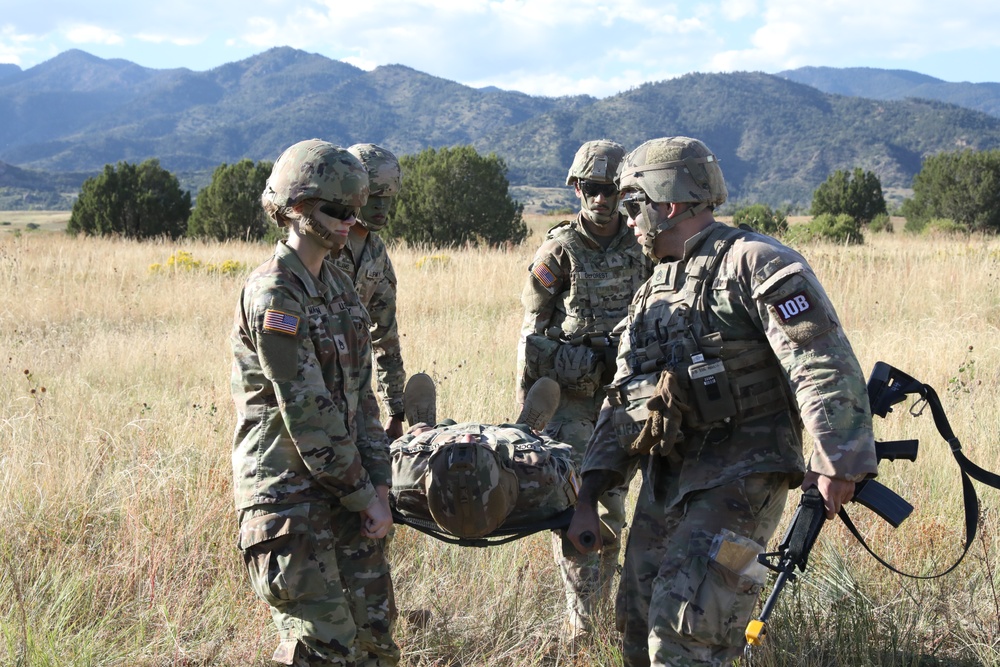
[578, 287]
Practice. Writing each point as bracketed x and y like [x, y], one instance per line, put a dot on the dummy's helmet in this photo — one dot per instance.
[596, 161]
[384, 179]
[315, 169]
[669, 170]
[470, 489]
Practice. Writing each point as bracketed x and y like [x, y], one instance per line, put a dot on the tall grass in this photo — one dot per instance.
[117, 544]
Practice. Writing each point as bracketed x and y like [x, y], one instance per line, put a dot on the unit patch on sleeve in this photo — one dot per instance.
[544, 275]
[279, 322]
[793, 306]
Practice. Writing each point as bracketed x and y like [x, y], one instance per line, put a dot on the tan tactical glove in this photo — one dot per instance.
[667, 407]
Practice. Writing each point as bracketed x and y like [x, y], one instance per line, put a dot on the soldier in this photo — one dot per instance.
[311, 469]
[728, 351]
[579, 285]
[366, 260]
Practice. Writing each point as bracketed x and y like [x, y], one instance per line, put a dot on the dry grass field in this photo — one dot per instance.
[117, 544]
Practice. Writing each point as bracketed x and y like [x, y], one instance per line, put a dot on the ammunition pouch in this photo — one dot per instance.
[578, 369]
[540, 356]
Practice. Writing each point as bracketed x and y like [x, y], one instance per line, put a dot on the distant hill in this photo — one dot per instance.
[898, 84]
[777, 139]
[7, 70]
[27, 189]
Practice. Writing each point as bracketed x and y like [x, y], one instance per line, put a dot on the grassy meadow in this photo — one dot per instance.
[117, 544]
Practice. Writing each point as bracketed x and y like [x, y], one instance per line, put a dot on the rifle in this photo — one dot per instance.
[809, 519]
[887, 386]
[593, 340]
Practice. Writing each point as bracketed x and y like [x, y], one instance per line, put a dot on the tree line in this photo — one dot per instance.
[451, 196]
[457, 196]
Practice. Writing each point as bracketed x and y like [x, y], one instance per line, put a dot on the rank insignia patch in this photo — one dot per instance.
[279, 322]
[544, 275]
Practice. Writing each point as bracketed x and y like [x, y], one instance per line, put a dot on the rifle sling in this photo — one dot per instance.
[969, 497]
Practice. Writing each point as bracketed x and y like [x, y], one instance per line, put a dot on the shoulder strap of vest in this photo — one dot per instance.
[704, 265]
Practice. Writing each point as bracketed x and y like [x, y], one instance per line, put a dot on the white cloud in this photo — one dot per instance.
[537, 46]
[13, 45]
[91, 34]
[737, 10]
[168, 39]
[849, 32]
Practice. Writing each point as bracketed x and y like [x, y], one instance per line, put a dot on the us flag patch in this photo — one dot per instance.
[277, 321]
[544, 275]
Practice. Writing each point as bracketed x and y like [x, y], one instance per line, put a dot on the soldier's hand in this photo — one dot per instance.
[376, 519]
[585, 529]
[836, 492]
[394, 428]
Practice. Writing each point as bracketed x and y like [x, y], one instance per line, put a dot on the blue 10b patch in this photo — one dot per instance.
[793, 306]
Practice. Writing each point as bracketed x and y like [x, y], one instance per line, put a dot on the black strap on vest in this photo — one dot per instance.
[888, 386]
[501, 535]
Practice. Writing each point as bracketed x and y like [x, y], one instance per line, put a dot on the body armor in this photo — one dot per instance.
[726, 381]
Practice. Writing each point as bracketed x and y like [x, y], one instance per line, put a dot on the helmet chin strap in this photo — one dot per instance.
[666, 225]
[314, 228]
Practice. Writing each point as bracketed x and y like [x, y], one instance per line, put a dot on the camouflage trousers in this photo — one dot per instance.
[587, 577]
[328, 587]
[690, 580]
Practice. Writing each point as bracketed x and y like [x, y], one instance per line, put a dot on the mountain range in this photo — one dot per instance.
[777, 136]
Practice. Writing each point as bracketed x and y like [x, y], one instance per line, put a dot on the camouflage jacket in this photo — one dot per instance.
[763, 292]
[375, 282]
[307, 422]
[577, 286]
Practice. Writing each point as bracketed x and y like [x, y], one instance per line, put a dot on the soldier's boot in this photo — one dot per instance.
[420, 400]
[539, 404]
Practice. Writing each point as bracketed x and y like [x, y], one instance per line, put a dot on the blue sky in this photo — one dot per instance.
[551, 47]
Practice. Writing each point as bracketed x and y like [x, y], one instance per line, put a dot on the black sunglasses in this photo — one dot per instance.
[338, 211]
[593, 188]
[633, 203]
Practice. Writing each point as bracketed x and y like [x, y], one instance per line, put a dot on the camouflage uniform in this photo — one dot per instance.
[375, 282]
[710, 503]
[530, 479]
[308, 453]
[576, 286]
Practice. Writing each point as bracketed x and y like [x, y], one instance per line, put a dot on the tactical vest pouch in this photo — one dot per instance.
[629, 402]
[578, 369]
[711, 391]
[540, 356]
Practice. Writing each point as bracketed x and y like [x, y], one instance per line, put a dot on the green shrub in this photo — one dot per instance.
[840, 228]
[943, 227]
[881, 223]
[761, 218]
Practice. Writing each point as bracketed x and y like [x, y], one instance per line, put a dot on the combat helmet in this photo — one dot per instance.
[470, 488]
[596, 161]
[384, 176]
[669, 169]
[314, 169]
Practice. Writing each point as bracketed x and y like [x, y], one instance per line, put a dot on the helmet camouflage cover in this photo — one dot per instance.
[384, 173]
[470, 488]
[674, 169]
[596, 161]
[315, 169]
[669, 170]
